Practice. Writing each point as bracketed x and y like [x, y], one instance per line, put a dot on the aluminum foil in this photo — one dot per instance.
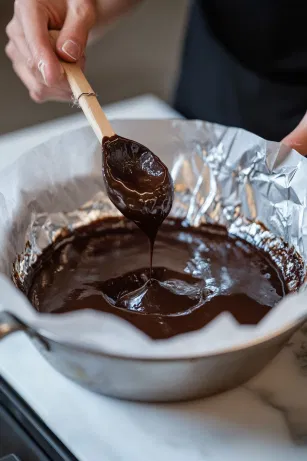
[223, 176]
[226, 176]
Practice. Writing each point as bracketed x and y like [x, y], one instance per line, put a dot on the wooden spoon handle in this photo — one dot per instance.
[86, 97]
[87, 100]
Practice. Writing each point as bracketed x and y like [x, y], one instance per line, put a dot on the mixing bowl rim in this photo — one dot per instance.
[92, 350]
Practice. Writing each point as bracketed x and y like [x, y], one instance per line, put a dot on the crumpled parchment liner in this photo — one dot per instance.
[223, 175]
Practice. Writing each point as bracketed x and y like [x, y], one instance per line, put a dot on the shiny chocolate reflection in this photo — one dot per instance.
[197, 274]
[138, 183]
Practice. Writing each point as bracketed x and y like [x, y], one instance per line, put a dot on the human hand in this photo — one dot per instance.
[297, 139]
[33, 54]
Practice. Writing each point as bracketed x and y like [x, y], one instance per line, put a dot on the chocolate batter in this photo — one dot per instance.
[138, 183]
[197, 274]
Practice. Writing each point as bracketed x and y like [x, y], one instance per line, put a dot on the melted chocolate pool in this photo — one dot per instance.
[197, 274]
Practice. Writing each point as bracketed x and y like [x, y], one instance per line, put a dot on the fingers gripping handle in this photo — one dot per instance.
[86, 97]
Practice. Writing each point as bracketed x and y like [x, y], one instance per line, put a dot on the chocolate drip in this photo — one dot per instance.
[138, 183]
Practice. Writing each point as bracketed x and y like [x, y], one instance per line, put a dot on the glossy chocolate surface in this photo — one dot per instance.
[197, 274]
[138, 183]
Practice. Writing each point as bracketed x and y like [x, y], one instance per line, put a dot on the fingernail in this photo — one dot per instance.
[72, 49]
[41, 68]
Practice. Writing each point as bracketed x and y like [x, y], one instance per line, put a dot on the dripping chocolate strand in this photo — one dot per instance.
[138, 183]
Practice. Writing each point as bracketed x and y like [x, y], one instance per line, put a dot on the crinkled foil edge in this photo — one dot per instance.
[50, 230]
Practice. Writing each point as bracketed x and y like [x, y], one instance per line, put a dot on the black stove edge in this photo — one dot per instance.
[10, 458]
[33, 425]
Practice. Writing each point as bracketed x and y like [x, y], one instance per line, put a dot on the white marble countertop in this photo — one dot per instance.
[264, 420]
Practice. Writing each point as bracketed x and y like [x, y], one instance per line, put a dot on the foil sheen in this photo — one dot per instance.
[227, 176]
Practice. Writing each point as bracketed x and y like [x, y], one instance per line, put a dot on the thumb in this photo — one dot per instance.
[297, 139]
[80, 18]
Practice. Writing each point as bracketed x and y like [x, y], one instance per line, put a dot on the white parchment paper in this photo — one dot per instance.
[223, 173]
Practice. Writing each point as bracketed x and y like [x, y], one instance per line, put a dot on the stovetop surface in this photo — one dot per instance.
[23, 435]
[10, 458]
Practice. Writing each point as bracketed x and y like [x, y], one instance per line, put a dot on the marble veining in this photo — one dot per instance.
[277, 388]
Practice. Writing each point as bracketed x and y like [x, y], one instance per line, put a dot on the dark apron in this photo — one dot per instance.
[244, 64]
